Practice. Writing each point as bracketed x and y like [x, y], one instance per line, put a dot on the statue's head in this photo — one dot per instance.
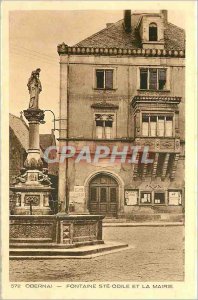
[38, 71]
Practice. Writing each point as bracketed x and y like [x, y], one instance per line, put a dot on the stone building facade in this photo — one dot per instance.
[124, 87]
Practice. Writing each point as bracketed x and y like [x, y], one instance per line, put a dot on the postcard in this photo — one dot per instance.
[98, 164]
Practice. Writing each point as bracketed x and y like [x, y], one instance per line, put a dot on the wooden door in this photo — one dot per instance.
[103, 196]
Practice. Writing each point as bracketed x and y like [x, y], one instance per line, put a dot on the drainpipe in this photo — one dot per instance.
[63, 134]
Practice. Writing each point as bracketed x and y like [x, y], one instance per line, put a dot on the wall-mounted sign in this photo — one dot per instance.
[79, 189]
[78, 196]
[131, 197]
[174, 198]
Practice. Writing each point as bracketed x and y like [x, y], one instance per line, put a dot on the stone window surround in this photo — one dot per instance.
[158, 114]
[154, 67]
[102, 67]
[114, 122]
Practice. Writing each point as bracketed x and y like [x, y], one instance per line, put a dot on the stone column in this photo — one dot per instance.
[33, 186]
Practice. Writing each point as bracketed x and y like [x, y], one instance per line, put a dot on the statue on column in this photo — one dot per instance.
[34, 87]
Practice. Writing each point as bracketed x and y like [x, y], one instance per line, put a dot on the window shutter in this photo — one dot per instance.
[109, 79]
[100, 79]
[153, 79]
[143, 79]
[162, 78]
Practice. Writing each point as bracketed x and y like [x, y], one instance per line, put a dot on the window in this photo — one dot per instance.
[153, 79]
[159, 198]
[154, 125]
[104, 79]
[145, 198]
[104, 126]
[152, 32]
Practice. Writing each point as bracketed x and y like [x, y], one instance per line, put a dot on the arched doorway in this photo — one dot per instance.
[103, 195]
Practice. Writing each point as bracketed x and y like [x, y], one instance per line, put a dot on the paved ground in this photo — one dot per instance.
[158, 256]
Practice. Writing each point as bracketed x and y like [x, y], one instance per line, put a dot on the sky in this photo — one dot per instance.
[33, 40]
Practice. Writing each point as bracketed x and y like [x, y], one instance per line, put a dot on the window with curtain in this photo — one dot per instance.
[169, 126]
[104, 126]
[153, 79]
[145, 125]
[157, 125]
[104, 79]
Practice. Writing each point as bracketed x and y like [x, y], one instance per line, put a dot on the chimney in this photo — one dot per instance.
[164, 14]
[127, 20]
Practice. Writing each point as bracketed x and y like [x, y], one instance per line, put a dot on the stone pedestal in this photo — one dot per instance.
[59, 229]
[33, 188]
[32, 200]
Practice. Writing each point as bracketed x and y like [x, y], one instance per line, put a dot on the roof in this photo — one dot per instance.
[115, 36]
[47, 140]
[20, 129]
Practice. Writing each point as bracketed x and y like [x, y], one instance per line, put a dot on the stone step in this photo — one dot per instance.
[85, 251]
[53, 245]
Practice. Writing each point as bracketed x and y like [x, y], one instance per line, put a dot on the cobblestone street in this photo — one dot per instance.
[158, 256]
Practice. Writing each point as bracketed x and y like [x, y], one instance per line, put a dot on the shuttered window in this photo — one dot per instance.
[153, 79]
[104, 126]
[162, 79]
[109, 79]
[143, 79]
[104, 79]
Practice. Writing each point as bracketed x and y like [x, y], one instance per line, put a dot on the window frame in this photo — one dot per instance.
[113, 132]
[151, 26]
[103, 68]
[157, 115]
[159, 192]
[152, 203]
[148, 68]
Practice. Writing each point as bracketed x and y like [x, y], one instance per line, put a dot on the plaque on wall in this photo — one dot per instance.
[174, 197]
[76, 197]
[33, 199]
[131, 197]
[79, 189]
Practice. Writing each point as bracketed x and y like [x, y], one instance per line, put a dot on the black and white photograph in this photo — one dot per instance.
[97, 165]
